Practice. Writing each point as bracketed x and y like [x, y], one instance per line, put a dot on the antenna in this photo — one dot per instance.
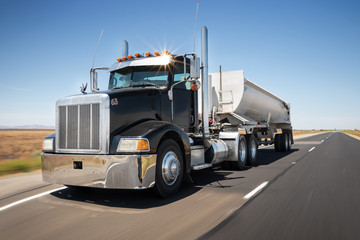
[97, 45]
[197, 9]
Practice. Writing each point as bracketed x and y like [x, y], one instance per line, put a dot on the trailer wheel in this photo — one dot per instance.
[169, 168]
[277, 142]
[284, 142]
[242, 155]
[251, 149]
[289, 142]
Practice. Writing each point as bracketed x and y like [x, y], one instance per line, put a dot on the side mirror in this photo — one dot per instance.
[94, 78]
[195, 68]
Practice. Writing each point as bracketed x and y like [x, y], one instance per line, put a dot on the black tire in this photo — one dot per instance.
[169, 168]
[252, 148]
[284, 142]
[289, 142]
[242, 155]
[277, 142]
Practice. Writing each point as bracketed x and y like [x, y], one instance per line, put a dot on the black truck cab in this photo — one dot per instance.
[139, 93]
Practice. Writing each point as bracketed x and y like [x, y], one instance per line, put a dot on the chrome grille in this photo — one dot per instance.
[79, 126]
[83, 124]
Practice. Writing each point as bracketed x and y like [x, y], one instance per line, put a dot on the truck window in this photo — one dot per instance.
[139, 76]
[120, 79]
[150, 75]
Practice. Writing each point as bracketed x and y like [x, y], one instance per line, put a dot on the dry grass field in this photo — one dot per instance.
[20, 150]
[353, 132]
[302, 132]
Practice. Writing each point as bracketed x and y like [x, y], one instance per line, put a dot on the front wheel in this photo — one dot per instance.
[169, 168]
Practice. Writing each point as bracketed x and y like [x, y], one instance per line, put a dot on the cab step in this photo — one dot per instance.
[201, 166]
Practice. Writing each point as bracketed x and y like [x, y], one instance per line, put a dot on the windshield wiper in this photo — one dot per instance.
[120, 87]
[146, 84]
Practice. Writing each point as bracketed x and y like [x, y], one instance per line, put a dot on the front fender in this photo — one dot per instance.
[156, 131]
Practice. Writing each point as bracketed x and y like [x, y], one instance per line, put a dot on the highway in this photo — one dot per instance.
[311, 192]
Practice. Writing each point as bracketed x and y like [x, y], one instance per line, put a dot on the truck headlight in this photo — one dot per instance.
[48, 145]
[133, 145]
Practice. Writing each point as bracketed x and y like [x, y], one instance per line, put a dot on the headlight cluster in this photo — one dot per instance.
[125, 145]
[48, 145]
[133, 145]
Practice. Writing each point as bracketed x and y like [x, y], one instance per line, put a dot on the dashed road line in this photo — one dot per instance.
[256, 190]
[29, 198]
[311, 149]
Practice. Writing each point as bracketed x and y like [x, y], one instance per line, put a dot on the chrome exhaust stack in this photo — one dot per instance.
[205, 81]
[125, 48]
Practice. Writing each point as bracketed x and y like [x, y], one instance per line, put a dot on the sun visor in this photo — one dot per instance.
[148, 61]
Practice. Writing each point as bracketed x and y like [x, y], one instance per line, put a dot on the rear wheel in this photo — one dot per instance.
[284, 142]
[289, 142]
[169, 168]
[277, 142]
[252, 149]
[242, 155]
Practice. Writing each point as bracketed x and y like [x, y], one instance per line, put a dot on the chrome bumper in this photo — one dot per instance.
[102, 171]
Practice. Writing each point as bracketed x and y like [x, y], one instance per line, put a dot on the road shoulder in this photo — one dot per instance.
[351, 135]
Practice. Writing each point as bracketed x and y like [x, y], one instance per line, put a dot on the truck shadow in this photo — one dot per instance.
[268, 156]
[143, 199]
[214, 177]
[122, 198]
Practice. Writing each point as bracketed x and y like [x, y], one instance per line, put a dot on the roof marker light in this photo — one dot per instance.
[124, 58]
[166, 52]
[148, 54]
[157, 53]
[130, 57]
[119, 59]
[138, 55]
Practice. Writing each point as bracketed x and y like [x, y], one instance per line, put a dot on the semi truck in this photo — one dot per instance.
[162, 117]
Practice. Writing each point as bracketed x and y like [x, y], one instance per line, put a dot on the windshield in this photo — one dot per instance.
[139, 76]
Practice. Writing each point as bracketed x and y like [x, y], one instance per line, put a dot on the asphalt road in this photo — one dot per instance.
[309, 195]
[317, 198]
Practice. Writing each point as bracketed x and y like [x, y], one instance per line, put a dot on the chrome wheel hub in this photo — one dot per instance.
[170, 168]
[253, 149]
[242, 152]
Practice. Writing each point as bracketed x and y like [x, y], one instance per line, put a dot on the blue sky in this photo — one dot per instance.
[306, 52]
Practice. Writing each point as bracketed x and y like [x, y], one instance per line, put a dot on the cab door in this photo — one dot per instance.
[183, 100]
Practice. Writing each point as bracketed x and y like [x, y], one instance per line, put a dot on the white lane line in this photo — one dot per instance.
[311, 149]
[256, 190]
[322, 141]
[29, 198]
